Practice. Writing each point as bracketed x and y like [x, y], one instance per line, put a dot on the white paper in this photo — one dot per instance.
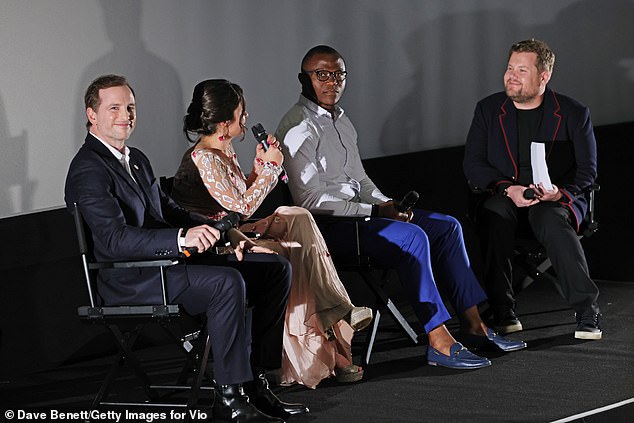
[538, 162]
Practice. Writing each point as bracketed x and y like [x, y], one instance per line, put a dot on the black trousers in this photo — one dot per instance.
[498, 222]
[267, 278]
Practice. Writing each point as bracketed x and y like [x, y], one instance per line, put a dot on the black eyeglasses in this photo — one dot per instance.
[324, 75]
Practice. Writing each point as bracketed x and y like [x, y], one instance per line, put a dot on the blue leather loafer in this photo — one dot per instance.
[492, 340]
[459, 358]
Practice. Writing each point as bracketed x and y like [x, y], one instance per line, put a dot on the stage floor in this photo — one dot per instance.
[556, 378]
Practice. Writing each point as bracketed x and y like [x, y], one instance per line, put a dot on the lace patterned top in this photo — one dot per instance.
[222, 178]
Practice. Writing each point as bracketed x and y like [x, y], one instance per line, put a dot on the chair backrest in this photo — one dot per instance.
[84, 251]
[90, 265]
[590, 225]
[166, 183]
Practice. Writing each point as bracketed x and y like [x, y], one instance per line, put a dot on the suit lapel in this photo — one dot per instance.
[552, 117]
[508, 125]
[111, 161]
[142, 176]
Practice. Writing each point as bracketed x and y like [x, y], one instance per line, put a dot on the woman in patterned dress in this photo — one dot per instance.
[320, 319]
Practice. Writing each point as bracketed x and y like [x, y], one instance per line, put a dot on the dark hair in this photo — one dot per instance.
[545, 56]
[321, 49]
[214, 101]
[92, 99]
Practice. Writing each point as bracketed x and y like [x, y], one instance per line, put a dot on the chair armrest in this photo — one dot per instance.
[326, 218]
[132, 264]
[126, 311]
[355, 260]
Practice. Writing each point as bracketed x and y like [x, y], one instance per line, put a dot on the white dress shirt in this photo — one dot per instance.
[322, 160]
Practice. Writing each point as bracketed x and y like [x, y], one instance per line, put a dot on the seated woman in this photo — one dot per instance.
[320, 319]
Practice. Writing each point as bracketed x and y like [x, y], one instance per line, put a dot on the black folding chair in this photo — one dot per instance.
[529, 255]
[362, 264]
[127, 322]
[355, 262]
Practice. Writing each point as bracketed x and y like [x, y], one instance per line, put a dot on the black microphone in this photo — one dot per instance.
[407, 202]
[223, 225]
[260, 136]
[531, 194]
[227, 222]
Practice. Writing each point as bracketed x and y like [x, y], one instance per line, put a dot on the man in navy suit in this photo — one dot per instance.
[131, 218]
[498, 159]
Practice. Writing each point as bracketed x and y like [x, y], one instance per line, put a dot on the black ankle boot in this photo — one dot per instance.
[267, 402]
[232, 405]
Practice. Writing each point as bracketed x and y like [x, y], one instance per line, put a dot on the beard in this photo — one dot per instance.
[521, 95]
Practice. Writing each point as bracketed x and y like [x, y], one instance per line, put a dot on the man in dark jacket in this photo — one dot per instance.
[505, 127]
[130, 217]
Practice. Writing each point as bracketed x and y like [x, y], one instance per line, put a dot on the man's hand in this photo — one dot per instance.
[543, 194]
[516, 194]
[388, 210]
[202, 237]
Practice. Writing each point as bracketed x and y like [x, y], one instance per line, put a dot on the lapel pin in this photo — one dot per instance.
[135, 167]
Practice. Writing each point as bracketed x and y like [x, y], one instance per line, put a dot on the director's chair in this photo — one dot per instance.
[127, 322]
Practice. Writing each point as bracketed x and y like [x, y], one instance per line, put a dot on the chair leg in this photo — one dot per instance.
[534, 271]
[383, 302]
[371, 336]
[398, 317]
[125, 342]
[199, 377]
[191, 347]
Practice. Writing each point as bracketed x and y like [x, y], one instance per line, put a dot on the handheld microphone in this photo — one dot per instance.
[530, 193]
[227, 222]
[223, 225]
[407, 202]
[260, 136]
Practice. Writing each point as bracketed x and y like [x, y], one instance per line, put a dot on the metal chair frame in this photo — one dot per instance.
[195, 347]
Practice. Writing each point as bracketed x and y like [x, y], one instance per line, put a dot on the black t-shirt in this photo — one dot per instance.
[528, 123]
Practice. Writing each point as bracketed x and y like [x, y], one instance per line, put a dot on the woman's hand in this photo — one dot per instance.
[273, 154]
[241, 244]
[246, 246]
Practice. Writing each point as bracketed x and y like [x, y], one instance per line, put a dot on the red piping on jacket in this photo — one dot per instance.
[556, 113]
[569, 201]
[508, 149]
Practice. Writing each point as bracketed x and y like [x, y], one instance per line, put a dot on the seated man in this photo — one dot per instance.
[498, 159]
[326, 176]
[131, 218]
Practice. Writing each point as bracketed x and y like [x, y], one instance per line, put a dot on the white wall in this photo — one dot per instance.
[416, 69]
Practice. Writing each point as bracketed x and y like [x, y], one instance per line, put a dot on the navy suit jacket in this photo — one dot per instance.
[491, 151]
[128, 220]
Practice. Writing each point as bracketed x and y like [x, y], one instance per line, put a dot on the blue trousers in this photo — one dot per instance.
[428, 254]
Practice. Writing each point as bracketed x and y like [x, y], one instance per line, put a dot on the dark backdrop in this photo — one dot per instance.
[40, 272]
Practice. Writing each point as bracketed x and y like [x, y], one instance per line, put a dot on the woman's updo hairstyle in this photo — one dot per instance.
[213, 102]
